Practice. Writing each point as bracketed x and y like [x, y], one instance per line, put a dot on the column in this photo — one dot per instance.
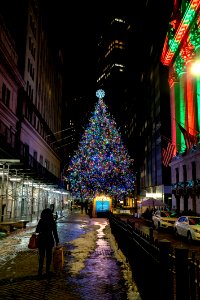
[190, 102]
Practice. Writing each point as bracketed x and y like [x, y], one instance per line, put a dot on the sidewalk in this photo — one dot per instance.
[18, 276]
[92, 269]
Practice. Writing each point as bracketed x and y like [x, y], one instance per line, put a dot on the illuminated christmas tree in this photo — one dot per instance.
[101, 164]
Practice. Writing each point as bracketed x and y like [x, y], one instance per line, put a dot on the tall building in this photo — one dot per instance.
[113, 58]
[130, 72]
[180, 53]
[149, 126]
[30, 109]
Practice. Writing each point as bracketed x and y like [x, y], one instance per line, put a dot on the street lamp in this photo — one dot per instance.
[195, 68]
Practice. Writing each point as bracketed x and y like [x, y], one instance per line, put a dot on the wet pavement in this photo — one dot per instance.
[94, 267]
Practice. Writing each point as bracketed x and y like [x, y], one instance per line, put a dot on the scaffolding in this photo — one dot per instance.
[24, 198]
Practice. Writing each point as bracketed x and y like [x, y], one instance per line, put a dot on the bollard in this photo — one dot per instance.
[133, 225]
[193, 263]
[165, 277]
[151, 234]
[182, 273]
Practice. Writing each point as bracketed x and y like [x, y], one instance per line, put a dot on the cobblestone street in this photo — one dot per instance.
[94, 268]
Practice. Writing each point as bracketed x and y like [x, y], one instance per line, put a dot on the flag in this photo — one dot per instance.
[167, 154]
[190, 139]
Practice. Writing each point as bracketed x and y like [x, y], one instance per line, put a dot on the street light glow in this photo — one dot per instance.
[195, 68]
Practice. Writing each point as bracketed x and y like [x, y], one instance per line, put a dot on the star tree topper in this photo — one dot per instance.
[100, 94]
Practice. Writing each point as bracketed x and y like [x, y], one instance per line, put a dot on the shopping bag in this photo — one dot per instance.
[33, 241]
[58, 258]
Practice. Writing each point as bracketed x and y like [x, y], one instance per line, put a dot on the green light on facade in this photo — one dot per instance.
[182, 105]
[198, 102]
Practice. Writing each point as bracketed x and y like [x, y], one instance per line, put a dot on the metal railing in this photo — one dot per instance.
[159, 270]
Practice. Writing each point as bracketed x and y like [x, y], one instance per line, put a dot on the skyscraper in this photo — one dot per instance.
[130, 71]
[113, 62]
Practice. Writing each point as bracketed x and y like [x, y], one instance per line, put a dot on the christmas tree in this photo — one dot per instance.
[101, 165]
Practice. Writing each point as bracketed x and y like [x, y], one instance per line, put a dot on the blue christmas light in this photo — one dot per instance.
[101, 164]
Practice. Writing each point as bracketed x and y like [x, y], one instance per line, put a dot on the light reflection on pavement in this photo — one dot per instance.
[104, 276]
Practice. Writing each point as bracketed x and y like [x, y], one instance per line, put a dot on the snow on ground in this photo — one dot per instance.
[12, 244]
[133, 293]
[83, 247]
[86, 244]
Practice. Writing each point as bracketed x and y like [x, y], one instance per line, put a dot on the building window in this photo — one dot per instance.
[184, 173]
[177, 175]
[7, 98]
[5, 95]
[34, 53]
[194, 174]
[29, 91]
[35, 155]
[46, 164]
[31, 95]
[3, 92]
[41, 160]
[29, 65]
[26, 150]
[27, 86]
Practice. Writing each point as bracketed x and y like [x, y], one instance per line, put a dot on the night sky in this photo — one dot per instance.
[74, 28]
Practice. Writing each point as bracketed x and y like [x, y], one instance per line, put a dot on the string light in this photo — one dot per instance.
[101, 164]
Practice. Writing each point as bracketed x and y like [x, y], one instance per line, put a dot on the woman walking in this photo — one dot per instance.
[48, 236]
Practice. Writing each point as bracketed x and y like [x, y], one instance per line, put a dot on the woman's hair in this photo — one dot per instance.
[47, 214]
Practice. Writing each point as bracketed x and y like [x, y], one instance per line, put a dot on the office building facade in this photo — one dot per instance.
[30, 99]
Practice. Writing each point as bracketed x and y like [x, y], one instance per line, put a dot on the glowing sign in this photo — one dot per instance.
[102, 203]
[102, 206]
[154, 195]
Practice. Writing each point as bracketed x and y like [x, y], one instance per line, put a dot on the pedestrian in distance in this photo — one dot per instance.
[71, 205]
[90, 209]
[48, 237]
[86, 206]
[82, 204]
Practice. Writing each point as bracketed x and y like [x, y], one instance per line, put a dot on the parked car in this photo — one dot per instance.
[164, 219]
[188, 226]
